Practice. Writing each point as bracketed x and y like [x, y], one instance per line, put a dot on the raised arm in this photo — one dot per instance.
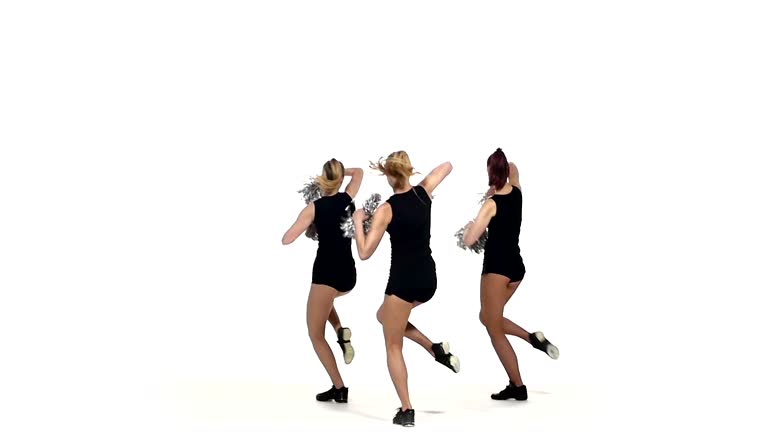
[436, 176]
[367, 243]
[354, 184]
[303, 222]
[514, 175]
[477, 227]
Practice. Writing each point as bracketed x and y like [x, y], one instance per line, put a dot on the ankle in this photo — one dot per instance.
[437, 349]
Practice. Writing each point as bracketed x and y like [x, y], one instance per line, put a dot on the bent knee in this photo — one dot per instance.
[491, 322]
[484, 318]
[380, 316]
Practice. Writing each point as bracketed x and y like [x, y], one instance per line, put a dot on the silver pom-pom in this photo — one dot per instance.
[311, 192]
[347, 226]
[478, 247]
[369, 206]
[311, 233]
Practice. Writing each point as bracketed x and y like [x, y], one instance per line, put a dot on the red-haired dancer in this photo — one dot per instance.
[503, 269]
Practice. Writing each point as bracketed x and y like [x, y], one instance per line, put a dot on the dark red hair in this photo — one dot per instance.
[498, 169]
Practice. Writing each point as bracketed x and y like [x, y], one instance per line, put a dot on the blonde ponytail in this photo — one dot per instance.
[332, 177]
[396, 165]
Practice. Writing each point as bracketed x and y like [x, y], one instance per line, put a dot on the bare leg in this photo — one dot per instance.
[319, 307]
[394, 314]
[513, 329]
[510, 327]
[494, 293]
[412, 333]
[333, 318]
[342, 337]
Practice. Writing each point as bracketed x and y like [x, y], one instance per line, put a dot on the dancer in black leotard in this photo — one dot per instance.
[503, 269]
[333, 273]
[406, 216]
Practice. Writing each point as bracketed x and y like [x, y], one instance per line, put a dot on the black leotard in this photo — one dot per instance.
[502, 250]
[334, 265]
[412, 275]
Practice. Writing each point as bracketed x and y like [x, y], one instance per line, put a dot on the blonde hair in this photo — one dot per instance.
[397, 165]
[332, 177]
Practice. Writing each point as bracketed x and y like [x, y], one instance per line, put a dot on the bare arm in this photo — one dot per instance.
[476, 228]
[303, 222]
[367, 243]
[354, 184]
[514, 175]
[436, 176]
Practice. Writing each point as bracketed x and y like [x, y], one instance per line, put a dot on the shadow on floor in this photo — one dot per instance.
[352, 409]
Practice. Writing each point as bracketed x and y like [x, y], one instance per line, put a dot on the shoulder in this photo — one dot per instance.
[309, 210]
[384, 207]
[422, 191]
[489, 204]
[489, 207]
[490, 200]
[383, 212]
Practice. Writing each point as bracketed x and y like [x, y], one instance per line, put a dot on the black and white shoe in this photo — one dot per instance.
[541, 343]
[512, 392]
[405, 418]
[443, 356]
[344, 334]
[337, 395]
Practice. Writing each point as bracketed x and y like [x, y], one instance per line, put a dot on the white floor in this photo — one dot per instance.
[231, 406]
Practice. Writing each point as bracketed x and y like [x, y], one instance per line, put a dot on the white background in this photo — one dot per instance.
[151, 154]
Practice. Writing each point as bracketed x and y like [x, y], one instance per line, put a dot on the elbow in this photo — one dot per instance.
[285, 241]
[448, 168]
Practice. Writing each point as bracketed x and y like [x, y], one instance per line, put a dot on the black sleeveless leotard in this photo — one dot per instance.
[412, 275]
[334, 265]
[502, 250]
